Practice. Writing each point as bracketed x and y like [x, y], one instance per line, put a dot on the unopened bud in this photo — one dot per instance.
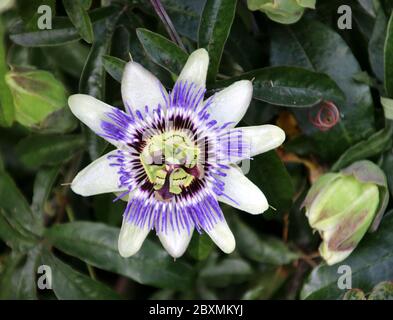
[343, 206]
[37, 94]
[282, 11]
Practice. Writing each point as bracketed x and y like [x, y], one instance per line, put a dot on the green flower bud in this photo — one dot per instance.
[6, 5]
[343, 206]
[282, 11]
[382, 291]
[36, 94]
[354, 294]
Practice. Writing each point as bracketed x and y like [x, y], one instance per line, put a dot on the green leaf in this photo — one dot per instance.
[200, 246]
[290, 86]
[92, 81]
[266, 284]
[185, 15]
[261, 248]
[162, 51]
[43, 184]
[323, 50]
[368, 263]
[12, 237]
[114, 66]
[376, 45]
[387, 105]
[96, 244]
[216, 21]
[80, 19]
[38, 150]
[368, 6]
[62, 31]
[271, 176]
[1, 163]
[387, 166]
[376, 144]
[68, 284]
[7, 111]
[69, 58]
[86, 4]
[228, 271]
[17, 282]
[388, 58]
[16, 209]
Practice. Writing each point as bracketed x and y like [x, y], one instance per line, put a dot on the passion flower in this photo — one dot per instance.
[175, 156]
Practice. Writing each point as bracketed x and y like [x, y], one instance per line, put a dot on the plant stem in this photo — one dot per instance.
[170, 28]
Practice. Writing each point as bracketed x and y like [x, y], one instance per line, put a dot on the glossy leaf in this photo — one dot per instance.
[374, 145]
[70, 57]
[80, 19]
[96, 244]
[200, 246]
[7, 110]
[387, 167]
[376, 45]
[290, 86]
[228, 271]
[162, 51]
[271, 176]
[43, 184]
[92, 81]
[114, 66]
[368, 6]
[11, 235]
[368, 264]
[69, 284]
[260, 248]
[16, 210]
[267, 284]
[387, 105]
[18, 279]
[39, 150]
[323, 50]
[62, 31]
[216, 22]
[185, 15]
[388, 58]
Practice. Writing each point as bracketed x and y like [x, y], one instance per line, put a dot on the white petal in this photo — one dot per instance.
[263, 138]
[231, 104]
[175, 242]
[195, 69]
[140, 88]
[98, 177]
[248, 196]
[131, 238]
[91, 112]
[222, 236]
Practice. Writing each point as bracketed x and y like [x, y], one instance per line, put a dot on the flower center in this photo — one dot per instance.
[170, 161]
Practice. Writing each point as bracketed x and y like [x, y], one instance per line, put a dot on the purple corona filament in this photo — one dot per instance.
[196, 205]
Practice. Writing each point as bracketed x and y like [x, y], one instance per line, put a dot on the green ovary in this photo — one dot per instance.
[166, 158]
